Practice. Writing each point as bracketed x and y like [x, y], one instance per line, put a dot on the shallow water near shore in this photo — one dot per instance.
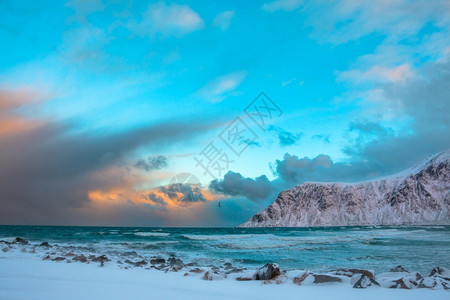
[320, 249]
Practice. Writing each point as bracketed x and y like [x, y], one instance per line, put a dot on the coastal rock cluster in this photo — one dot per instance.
[397, 278]
[417, 196]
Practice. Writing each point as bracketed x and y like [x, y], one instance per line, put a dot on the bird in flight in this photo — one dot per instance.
[219, 204]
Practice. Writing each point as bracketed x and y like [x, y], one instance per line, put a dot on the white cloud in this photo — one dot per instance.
[396, 22]
[286, 5]
[341, 21]
[223, 20]
[223, 86]
[378, 74]
[168, 20]
[410, 33]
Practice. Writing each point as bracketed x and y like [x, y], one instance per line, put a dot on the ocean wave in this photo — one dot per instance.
[151, 233]
[161, 242]
[434, 227]
[255, 246]
[204, 237]
[312, 240]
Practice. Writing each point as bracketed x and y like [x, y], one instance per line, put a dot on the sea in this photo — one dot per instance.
[320, 249]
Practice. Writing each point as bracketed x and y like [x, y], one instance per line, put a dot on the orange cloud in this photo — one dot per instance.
[13, 125]
[14, 98]
[121, 188]
[10, 121]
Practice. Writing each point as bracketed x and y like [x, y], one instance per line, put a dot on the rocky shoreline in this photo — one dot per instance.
[271, 273]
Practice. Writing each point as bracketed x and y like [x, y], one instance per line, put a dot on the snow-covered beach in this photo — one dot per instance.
[27, 277]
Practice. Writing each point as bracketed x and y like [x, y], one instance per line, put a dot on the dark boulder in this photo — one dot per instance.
[175, 261]
[196, 270]
[160, 267]
[59, 258]
[130, 253]
[404, 283]
[267, 272]
[434, 282]
[175, 264]
[443, 272]
[140, 263]
[398, 268]
[80, 258]
[439, 278]
[101, 259]
[136, 264]
[191, 264]
[351, 272]
[243, 278]
[228, 266]
[318, 278]
[407, 282]
[20, 241]
[364, 282]
[157, 261]
[399, 280]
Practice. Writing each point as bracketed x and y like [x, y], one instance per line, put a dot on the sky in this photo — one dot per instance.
[151, 113]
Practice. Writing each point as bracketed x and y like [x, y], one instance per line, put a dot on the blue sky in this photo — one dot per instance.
[360, 86]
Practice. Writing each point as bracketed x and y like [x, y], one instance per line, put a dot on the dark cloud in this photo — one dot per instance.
[368, 127]
[156, 199]
[286, 138]
[152, 163]
[294, 170]
[424, 100]
[234, 184]
[379, 150]
[190, 192]
[183, 194]
[48, 170]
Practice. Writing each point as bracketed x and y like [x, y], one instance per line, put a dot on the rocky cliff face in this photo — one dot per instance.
[417, 196]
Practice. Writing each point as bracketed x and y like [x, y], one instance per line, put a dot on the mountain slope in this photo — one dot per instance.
[417, 196]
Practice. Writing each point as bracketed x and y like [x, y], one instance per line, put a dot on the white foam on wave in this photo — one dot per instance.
[159, 242]
[205, 237]
[152, 233]
[259, 246]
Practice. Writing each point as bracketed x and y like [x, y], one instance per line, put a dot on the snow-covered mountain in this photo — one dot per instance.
[417, 196]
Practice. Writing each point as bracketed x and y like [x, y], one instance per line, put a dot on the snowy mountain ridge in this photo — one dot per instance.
[417, 196]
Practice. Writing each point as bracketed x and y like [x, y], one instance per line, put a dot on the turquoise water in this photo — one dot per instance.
[379, 249]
